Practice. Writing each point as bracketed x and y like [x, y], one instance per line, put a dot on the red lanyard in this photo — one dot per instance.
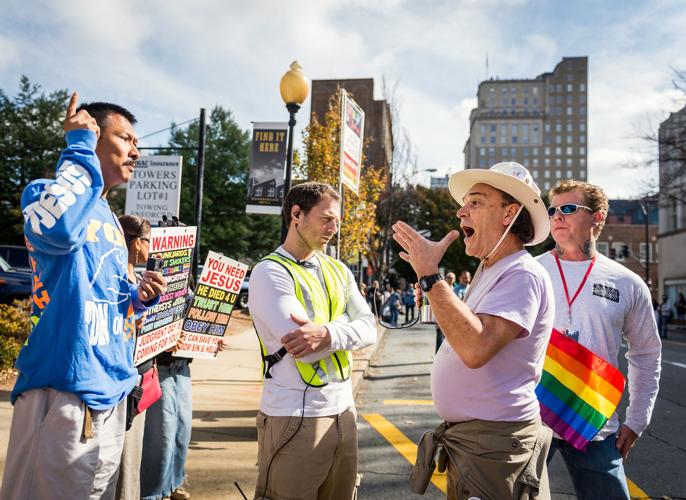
[564, 283]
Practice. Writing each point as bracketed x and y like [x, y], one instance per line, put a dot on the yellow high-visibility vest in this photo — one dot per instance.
[323, 305]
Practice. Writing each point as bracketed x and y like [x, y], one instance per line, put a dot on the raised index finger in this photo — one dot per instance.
[71, 107]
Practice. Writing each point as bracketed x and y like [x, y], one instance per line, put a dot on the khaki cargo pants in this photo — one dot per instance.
[318, 461]
[487, 460]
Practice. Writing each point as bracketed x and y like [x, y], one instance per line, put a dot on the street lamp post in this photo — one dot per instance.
[294, 89]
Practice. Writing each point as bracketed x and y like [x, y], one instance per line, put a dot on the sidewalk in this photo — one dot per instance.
[226, 396]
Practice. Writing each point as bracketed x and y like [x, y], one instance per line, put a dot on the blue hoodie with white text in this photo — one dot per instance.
[83, 304]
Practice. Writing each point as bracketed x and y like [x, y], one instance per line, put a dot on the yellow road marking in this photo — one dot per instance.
[403, 445]
[408, 449]
[410, 402]
[636, 492]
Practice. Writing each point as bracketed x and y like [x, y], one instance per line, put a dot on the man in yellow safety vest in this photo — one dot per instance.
[309, 315]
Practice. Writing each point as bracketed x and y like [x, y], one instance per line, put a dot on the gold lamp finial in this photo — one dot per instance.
[294, 85]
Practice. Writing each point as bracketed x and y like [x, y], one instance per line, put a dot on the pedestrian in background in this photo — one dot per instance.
[408, 302]
[462, 285]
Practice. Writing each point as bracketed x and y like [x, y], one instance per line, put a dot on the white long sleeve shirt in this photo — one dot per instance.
[613, 304]
[271, 301]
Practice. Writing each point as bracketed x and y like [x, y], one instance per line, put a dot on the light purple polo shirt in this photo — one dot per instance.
[518, 289]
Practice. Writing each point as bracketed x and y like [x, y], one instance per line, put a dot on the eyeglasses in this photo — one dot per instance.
[391, 326]
[567, 209]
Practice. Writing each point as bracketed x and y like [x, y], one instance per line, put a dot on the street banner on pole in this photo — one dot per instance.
[154, 189]
[163, 322]
[352, 140]
[209, 314]
[267, 165]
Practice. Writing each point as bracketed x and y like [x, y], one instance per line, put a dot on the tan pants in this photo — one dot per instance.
[319, 461]
[497, 460]
[47, 456]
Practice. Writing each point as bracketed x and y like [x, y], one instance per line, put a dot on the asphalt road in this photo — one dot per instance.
[394, 405]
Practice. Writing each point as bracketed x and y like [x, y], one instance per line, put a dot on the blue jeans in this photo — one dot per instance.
[597, 472]
[167, 433]
[394, 315]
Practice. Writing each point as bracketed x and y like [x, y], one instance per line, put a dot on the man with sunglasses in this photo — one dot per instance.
[484, 375]
[309, 315]
[598, 303]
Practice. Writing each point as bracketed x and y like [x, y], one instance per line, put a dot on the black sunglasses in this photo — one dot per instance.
[391, 326]
[567, 209]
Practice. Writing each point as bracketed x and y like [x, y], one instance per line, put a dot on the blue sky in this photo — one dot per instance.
[166, 59]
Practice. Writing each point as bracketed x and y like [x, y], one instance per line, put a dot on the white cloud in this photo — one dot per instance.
[9, 54]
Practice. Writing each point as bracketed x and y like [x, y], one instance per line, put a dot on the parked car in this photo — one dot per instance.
[242, 302]
[16, 256]
[14, 284]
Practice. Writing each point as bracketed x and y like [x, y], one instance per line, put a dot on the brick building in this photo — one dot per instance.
[624, 239]
[377, 120]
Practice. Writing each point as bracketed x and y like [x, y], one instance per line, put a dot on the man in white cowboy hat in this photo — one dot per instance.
[484, 375]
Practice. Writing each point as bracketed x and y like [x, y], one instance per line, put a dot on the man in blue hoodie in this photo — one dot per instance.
[76, 367]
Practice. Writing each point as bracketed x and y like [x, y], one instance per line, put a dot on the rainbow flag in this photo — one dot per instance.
[578, 390]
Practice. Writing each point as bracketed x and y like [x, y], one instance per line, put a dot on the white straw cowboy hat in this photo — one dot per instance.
[513, 179]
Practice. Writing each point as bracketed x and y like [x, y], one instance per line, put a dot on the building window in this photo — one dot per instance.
[535, 101]
[582, 150]
[546, 186]
[535, 152]
[570, 127]
[569, 110]
[483, 140]
[569, 151]
[546, 174]
[491, 89]
[569, 174]
[534, 90]
[582, 110]
[258, 191]
[534, 174]
[558, 139]
[513, 152]
[558, 151]
[570, 162]
[603, 247]
[514, 101]
[525, 151]
[535, 160]
[569, 139]
[582, 99]
[483, 129]
[547, 151]
[558, 127]
[642, 252]
[504, 90]
[525, 139]
[569, 86]
[547, 162]
[514, 129]
[582, 139]
[503, 139]
[491, 151]
[618, 246]
[514, 139]
[492, 139]
[558, 174]
[526, 162]
[271, 192]
[482, 162]
[570, 99]
[582, 174]
[558, 162]
[504, 101]
[493, 128]
[546, 139]
[526, 101]
[503, 152]
[582, 87]
[582, 127]
[482, 151]
[547, 127]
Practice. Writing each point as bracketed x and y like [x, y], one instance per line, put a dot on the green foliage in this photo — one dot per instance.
[31, 139]
[15, 326]
[433, 210]
[226, 228]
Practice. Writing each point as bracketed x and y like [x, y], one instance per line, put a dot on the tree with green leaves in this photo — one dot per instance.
[31, 139]
[226, 228]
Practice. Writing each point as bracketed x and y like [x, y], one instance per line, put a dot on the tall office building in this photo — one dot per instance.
[541, 123]
[377, 119]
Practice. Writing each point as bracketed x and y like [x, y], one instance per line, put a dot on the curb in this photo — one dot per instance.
[362, 359]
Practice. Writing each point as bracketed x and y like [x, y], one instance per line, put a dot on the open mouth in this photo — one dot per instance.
[468, 232]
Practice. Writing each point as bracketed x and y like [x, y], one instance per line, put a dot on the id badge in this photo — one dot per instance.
[571, 333]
